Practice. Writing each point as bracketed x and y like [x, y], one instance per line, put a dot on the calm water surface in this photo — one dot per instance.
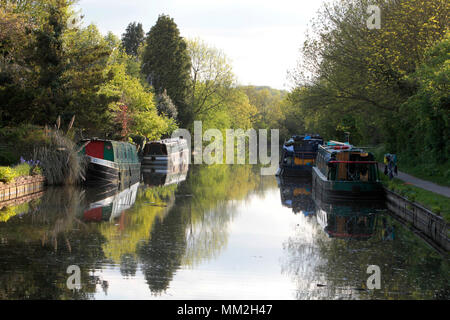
[221, 232]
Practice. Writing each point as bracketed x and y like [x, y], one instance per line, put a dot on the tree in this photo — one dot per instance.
[211, 78]
[133, 38]
[165, 106]
[166, 64]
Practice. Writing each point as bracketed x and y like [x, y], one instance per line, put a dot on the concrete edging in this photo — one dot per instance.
[431, 225]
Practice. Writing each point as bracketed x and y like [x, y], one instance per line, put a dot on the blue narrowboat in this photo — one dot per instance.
[298, 155]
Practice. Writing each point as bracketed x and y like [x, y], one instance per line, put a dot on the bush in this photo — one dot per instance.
[59, 160]
[23, 169]
[7, 174]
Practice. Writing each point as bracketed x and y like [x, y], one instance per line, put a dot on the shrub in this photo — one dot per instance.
[23, 169]
[7, 174]
[59, 160]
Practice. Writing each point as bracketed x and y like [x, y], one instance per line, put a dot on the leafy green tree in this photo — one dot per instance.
[133, 38]
[211, 78]
[166, 64]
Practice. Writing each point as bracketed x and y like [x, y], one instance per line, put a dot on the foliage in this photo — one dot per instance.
[7, 174]
[133, 38]
[126, 90]
[165, 106]
[166, 63]
[387, 85]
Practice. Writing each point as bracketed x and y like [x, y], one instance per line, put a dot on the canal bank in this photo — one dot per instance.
[431, 227]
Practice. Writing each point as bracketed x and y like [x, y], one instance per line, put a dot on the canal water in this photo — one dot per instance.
[218, 232]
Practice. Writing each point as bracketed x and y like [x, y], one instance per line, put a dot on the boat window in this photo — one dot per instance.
[156, 149]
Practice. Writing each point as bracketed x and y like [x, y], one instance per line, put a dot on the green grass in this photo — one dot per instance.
[438, 204]
[437, 173]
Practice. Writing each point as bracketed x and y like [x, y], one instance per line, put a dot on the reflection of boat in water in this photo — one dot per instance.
[107, 204]
[296, 194]
[351, 220]
[299, 155]
[163, 179]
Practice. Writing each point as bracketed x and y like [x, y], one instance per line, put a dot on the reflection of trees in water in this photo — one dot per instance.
[161, 255]
[409, 268]
[302, 258]
[196, 228]
[39, 246]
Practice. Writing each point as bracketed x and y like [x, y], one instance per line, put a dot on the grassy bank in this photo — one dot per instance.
[437, 173]
[440, 205]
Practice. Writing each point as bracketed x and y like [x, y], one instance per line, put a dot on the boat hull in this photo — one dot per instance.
[328, 190]
[296, 171]
[102, 172]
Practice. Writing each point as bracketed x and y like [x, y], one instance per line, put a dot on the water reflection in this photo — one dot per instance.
[106, 204]
[331, 262]
[219, 227]
[296, 194]
[348, 220]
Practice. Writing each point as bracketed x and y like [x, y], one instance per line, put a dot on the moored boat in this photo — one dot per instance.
[298, 154]
[344, 172]
[169, 155]
[111, 162]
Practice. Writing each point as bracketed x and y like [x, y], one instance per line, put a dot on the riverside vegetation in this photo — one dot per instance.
[388, 87]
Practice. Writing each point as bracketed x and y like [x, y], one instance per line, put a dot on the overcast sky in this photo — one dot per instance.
[261, 38]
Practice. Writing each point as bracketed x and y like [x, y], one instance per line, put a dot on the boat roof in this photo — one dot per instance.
[167, 141]
[106, 140]
[336, 146]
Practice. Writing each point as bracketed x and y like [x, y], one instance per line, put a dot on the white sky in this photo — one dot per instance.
[261, 38]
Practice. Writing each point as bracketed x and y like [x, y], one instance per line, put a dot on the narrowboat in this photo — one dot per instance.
[111, 162]
[296, 194]
[167, 155]
[344, 172]
[298, 155]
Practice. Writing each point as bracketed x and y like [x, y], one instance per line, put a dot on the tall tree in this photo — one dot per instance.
[133, 38]
[166, 64]
[211, 78]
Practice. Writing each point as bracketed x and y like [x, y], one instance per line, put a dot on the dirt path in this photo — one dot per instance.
[427, 185]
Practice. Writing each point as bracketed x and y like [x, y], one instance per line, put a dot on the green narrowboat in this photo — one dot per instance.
[111, 162]
[344, 172]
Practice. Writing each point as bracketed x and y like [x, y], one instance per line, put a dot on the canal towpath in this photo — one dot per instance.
[424, 184]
